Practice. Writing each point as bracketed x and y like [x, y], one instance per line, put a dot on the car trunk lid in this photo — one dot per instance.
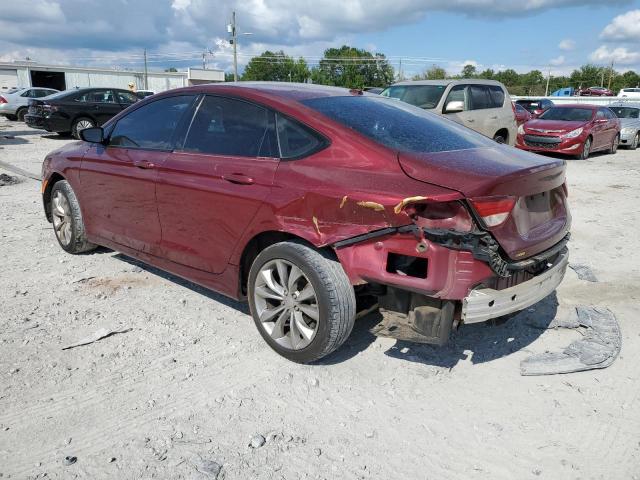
[539, 217]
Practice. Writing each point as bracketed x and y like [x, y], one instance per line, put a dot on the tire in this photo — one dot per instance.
[634, 144]
[80, 124]
[68, 225]
[20, 114]
[332, 301]
[586, 149]
[498, 138]
[614, 145]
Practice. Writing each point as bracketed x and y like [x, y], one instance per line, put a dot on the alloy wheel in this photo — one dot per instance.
[286, 304]
[586, 149]
[82, 124]
[62, 219]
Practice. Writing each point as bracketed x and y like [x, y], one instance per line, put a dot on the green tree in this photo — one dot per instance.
[228, 77]
[587, 76]
[276, 67]
[487, 74]
[353, 68]
[469, 71]
[435, 72]
[171, 69]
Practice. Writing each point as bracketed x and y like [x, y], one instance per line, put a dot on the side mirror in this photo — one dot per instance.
[454, 107]
[92, 135]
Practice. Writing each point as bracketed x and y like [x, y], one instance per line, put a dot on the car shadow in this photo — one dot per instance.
[58, 136]
[11, 139]
[242, 307]
[477, 343]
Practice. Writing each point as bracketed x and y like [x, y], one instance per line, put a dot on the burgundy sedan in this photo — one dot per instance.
[576, 130]
[313, 203]
[595, 92]
[522, 114]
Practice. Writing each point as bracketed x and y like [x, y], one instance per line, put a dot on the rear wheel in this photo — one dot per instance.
[586, 149]
[499, 138]
[614, 145]
[80, 124]
[67, 219]
[12, 118]
[20, 114]
[301, 301]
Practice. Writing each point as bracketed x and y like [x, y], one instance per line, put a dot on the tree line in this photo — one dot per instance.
[358, 68]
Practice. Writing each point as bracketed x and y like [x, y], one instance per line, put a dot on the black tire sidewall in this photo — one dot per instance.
[20, 114]
[321, 339]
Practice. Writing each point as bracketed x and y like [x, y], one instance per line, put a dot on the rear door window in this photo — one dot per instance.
[226, 126]
[479, 97]
[496, 96]
[152, 126]
[97, 96]
[126, 98]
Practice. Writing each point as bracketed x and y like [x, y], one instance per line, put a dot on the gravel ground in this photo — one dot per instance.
[192, 391]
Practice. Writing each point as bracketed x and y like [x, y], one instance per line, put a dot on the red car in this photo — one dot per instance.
[522, 114]
[576, 130]
[595, 92]
[312, 202]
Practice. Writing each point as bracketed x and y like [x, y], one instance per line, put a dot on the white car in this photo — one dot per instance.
[630, 92]
[15, 103]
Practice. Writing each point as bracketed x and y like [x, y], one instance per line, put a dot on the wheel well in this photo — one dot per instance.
[256, 245]
[503, 132]
[21, 108]
[46, 195]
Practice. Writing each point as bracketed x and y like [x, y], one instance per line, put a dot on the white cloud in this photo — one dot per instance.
[557, 61]
[625, 27]
[567, 44]
[619, 55]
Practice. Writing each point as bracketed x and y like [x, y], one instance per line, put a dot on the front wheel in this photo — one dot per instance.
[301, 301]
[586, 149]
[634, 143]
[67, 219]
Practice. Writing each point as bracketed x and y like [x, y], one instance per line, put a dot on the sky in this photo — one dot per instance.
[526, 34]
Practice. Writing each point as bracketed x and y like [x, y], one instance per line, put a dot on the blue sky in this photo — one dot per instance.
[498, 34]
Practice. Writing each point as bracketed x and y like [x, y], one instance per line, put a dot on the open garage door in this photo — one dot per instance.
[46, 79]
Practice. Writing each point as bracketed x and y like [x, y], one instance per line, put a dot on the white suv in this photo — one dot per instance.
[630, 92]
[482, 105]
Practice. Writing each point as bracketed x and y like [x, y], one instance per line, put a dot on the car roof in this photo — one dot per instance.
[471, 81]
[625, 104]
[579, 105]
[284, 90]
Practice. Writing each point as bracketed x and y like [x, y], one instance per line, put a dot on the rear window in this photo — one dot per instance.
[567, 114]
[396, 125]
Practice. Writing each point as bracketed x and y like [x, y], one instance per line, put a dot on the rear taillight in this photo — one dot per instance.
[493, 210]
[49, 109]
[3, 100]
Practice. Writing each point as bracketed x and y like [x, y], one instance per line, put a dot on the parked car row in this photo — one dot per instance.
[15, 102]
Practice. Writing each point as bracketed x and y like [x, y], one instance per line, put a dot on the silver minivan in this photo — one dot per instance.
[482, 105]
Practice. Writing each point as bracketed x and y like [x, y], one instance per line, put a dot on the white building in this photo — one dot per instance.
[30, 74]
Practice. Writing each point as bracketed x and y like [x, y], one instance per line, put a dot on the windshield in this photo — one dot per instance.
[626, 112]
[567, 114]
[396, 125]
[423, 96]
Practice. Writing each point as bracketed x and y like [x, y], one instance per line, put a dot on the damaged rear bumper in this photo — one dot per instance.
[486, 303]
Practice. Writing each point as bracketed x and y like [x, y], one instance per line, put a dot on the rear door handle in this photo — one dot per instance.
[238, 178]
[144, 164]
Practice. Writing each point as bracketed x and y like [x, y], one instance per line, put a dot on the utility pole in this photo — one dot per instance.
[146, 79]
[610, 75]
[602, 79]
[400, 70]
[204, 62]
[546, 90]
[234, 41]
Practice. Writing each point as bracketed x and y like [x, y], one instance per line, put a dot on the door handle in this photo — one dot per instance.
[144, 164]
[238, 178]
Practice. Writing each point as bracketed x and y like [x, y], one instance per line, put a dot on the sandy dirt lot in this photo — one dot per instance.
[186, 390]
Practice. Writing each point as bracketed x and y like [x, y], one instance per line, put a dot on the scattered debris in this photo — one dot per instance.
[344, 200]
[378, 207]
[207, 467]
[83, 279]
[69, 460]
[6, 180]
[315, 223]
[98, 335]
[257, 441]
[599, 347]
[314, 382]
[317, 452]
[584, 272]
